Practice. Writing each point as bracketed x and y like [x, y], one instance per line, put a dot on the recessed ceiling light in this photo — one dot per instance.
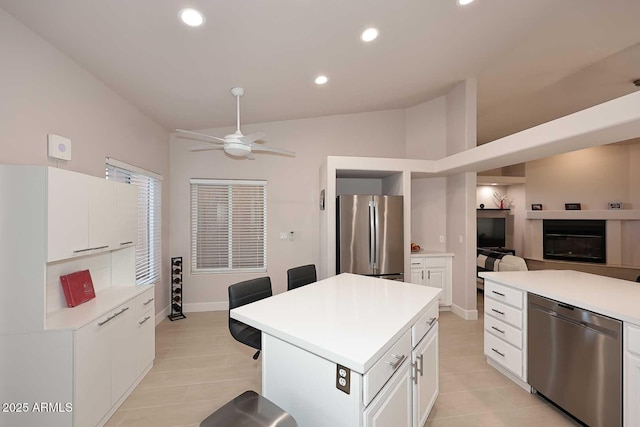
[320, 80]
[464, 2]
[369, 34]
[192, 17]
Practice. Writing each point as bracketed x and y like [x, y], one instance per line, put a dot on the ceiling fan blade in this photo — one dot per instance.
[258, 147]
[204, 135]
[248, 139]
[207, 147]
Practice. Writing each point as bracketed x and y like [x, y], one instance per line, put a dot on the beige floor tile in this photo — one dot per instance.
[474, 381]
[116, 418]
[518, 398]
[181, 414]
[222, 390]
[150, 397]
[468, 402]
[185, 363]
[459, 365]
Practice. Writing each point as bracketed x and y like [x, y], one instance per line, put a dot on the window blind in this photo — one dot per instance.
[228, 225]
[149, 247]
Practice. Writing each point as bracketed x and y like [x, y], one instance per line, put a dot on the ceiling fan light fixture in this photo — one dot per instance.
[464, 2]
[191, 17]
[320, 80]
[369, 34]
[237, 149]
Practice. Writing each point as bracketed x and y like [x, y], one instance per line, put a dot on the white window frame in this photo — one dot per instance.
[149, 247]
[229, 184]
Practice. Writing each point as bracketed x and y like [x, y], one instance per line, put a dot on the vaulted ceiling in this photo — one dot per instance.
[534, 59]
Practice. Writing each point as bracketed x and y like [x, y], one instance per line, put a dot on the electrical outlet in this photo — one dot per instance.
[283, 235]
[460, 239]
[343, 379]
[441, 239]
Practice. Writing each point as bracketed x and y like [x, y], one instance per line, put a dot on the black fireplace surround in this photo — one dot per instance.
[575, 240]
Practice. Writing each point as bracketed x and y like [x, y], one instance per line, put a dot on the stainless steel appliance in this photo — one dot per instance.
[575, 360]
[370, 237]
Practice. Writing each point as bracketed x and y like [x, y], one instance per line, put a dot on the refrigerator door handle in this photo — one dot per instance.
[372, 235]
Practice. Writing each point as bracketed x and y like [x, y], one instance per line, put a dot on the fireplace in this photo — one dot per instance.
[575, 240]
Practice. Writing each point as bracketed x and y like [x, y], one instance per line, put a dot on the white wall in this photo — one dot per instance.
[43, 91]
[292, 189]
[426, 130]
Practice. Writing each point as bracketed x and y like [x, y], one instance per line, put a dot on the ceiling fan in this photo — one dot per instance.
[235, 144]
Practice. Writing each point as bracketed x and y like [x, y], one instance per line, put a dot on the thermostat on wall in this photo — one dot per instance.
[59, 147]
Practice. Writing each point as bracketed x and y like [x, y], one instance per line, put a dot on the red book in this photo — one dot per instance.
[77, 287]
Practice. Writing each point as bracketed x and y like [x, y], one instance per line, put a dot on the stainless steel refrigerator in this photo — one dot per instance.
[370, 238]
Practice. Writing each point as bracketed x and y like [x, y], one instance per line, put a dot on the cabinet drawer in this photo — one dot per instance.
[417, 263]
[503, 353]
[144, 302]
[384, 368]
[503, 312]
[503, 331]
[422, 326]
[435, 262]
[505, 294]
[633, 338]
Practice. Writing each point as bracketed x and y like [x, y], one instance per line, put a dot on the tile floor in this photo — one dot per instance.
[199, 367]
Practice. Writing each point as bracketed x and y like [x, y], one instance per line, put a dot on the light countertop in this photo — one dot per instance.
[615, 298]
[428, 254]
[348, 319]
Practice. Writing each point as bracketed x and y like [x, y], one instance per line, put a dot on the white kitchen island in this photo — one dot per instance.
[350, 351]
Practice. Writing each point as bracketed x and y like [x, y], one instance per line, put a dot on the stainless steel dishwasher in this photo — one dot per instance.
[574, 359]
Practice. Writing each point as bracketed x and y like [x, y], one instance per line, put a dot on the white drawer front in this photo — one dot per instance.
[435, 262]
[417, 262]
[503, 312]
[379, 374]
[633, 338]
[144, 302]
[503, 353]
[503, 331]
[505, 294]
[422, 326]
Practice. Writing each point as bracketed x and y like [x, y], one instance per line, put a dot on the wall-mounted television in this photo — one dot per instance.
[492, 232]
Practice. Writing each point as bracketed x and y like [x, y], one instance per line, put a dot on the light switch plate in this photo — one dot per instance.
[59, 147]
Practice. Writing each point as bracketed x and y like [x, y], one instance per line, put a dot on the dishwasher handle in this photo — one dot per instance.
[587, 325]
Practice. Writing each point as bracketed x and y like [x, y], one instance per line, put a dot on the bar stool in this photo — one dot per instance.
[249, 410]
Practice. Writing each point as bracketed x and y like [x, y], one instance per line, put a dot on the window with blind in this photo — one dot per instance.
[149, 248]
[228, 225]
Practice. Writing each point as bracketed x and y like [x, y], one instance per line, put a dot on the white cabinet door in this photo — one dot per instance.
[436, 278]
[146, 340]
[124, 366]
[127, 215]
[102, 214]
[392, 406]
[426, 386]
[417, 276]
[67, 214]
[93, 371]
[631, 390]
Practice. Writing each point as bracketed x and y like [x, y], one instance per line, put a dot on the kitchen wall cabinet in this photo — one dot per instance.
[90, 356]
[434, 270]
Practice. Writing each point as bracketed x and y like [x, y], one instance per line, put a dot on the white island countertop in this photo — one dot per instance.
[348, 319]
[615, 298]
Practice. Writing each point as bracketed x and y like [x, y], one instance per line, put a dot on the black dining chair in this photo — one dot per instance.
[300, 276]
[244, 293]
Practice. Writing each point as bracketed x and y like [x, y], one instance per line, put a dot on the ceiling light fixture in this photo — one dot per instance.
[320, 80]
[191, 17]
[464, 2]
[369, 34]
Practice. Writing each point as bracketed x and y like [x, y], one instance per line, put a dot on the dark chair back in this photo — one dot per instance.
[300, 276]
[243, 293]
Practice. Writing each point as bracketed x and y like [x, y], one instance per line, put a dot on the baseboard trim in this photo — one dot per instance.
[465, 314]
[162, 315]
[205, 306]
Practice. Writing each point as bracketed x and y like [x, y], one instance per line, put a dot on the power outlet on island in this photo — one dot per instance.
[343, 379]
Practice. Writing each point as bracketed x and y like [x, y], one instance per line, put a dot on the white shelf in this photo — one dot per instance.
[621, 215]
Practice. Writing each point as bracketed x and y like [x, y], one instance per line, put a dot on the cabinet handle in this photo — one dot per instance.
[501, 354]
[107, 320]
[499, 330]
[90, 249]
[126, 243]
[422, 272]
[147, 303]
[431, 320]
[122, 311]
[498, 293]
[415, 263]
[429, 274]
[498, 311]
[398, 362]
[421, 369]
[144, 320]
[414, 368]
